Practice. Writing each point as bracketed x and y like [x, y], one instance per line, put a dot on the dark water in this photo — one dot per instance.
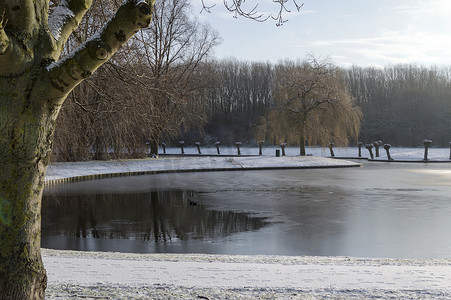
[155, 221]
[379, 210]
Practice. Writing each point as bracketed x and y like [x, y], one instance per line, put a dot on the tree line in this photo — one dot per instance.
[228, 100]
[403, 104]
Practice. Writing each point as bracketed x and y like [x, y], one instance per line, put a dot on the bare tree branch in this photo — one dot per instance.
[236, 7]
[283, 9]
[206, 8]
[64, 75]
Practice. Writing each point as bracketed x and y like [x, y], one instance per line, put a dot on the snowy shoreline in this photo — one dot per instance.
[75, 171]
[106, 275]
[94, 275]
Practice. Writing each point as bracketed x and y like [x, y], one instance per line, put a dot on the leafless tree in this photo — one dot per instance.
[312, 105]
[117, 113]
[176, 50]
[403, 104]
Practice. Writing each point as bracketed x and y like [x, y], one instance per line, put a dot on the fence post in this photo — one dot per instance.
[182, 143]
[217, 147]
[360, 144]
[283, 145]
[331, 148]
[164, 147]
[238, 145]
[198, 147]
[426, 143]
[376, 147]
[387, 149]
[370, 150]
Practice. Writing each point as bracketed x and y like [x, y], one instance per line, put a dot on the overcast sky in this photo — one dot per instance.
[350, 32]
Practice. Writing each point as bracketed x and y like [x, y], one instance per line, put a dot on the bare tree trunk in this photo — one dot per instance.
[302, 143]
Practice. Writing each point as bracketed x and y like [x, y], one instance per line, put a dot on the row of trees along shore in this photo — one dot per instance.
[401, 104]
[231, 100]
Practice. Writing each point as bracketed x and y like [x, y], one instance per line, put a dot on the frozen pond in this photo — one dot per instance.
[380, 210]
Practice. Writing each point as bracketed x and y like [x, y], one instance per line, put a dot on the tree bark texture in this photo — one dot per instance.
[33, 86]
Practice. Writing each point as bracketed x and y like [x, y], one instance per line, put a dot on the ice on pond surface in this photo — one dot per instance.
[379, 210]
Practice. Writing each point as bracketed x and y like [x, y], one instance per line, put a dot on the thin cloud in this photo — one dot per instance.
[419, 47]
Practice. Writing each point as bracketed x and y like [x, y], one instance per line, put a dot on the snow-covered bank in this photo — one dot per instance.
[91, 275]
[84, 170]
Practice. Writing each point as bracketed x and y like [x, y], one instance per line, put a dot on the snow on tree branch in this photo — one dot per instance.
[66, 17]
[67, 73]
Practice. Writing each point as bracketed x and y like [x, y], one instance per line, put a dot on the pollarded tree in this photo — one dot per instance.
[34, 82]
[312, 105]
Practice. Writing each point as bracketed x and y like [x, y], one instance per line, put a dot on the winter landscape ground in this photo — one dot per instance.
[104, 275]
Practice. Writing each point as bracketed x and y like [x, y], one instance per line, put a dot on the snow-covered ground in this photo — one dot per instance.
[85, 170]
[396, 152]
[95, 275]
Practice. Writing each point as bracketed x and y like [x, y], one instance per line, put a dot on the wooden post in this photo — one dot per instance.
[238, 145]
[164, 147]
[217, 147]
[426, 143]
[376, 147]
[331, 148]
[387, 149]
[198, 147]
[283, 145]
[370, 150]
[182, 143]
[360, 144]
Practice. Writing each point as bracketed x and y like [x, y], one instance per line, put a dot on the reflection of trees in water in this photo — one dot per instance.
[159, 216]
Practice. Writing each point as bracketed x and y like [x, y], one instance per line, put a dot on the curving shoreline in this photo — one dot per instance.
[79, 171]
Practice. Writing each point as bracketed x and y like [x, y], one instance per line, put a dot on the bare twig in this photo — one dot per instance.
[236, 7]
[206, 8]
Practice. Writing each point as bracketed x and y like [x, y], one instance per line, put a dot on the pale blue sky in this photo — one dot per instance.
[350, 32]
